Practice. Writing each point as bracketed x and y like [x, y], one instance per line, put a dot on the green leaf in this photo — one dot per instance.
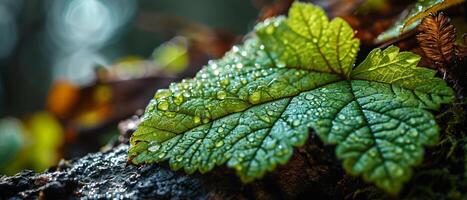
[420, 10]
[250, 108]
[309, 41]
[400, 68]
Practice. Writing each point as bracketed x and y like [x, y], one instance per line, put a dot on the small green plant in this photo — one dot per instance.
[250, 108]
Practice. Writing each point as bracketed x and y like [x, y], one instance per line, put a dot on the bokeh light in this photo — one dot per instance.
[77, 29]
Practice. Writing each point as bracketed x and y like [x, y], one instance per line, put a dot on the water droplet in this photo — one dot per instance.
[224, 82]
[163, 93]
[309, 97]
[314, 40]
[206, 120]
[220, 130]
[243, 81]
[179, 158]
[269, 112]
[178, 98]
[255, 97]
[162, 155]
[280, 64]
[257, 74]
[154, 148]
[219, 143]
[342, 117]
[170, 114]
[221, 95]
[163, 105]
[196, 119]
[186, 94]
[296, 122]
[281, 150]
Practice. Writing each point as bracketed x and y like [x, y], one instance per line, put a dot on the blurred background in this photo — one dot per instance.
[71, 70]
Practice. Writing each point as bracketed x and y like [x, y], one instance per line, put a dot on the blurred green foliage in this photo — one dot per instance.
[173, 55]
[30, 144]
[11, 140]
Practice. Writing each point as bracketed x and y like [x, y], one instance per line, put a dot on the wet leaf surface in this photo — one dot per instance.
[250, 108]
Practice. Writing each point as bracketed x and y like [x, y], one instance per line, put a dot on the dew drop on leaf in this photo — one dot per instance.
[224, 82]
[296, 122]
[163, 105]
[220, 130]
[280, 64]
[162, 155]
[309, 97]
[178, 98]
[221, 95]
[342, 117]
[219, 144]
[163, 93]
[170, 114]
[179, 158]
[269, 112]
[154, 147]
[196, 119]
[255, 97]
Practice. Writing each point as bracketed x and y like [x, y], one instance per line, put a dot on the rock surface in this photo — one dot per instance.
[106, 175]
[102, 175]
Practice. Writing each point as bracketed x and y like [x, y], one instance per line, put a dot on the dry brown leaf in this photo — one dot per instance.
[437, 38]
